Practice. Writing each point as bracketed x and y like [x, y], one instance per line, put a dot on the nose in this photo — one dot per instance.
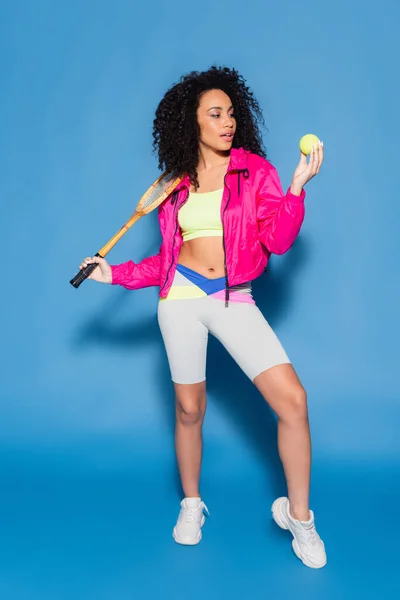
[228, 122]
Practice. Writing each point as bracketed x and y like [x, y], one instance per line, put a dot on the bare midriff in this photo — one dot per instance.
[205, 255]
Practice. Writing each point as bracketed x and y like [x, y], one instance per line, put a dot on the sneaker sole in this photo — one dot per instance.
[281, 520]
[191, 542]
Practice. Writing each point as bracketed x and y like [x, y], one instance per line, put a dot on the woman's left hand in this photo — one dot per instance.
[306, 171]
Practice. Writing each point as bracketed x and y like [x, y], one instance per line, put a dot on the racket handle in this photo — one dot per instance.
[83, 274]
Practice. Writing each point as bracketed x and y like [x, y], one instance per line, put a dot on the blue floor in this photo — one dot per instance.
[76, 529]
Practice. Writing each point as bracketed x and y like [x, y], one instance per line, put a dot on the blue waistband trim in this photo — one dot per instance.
[209, 286]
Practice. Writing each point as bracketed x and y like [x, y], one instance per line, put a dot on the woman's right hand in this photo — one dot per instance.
[102, 273]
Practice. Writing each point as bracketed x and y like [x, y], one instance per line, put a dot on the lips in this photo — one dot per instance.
[227, 136]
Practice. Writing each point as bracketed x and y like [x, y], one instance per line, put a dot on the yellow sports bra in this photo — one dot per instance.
[200, 216]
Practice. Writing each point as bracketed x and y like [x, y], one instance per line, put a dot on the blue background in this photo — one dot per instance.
[90, 492]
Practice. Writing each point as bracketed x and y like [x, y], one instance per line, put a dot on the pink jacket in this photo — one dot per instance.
[258, 219]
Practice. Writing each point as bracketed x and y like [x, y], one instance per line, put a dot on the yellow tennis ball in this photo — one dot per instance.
[307, 142]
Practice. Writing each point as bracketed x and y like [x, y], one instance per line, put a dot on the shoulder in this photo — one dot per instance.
[262, 174]
[259, 163]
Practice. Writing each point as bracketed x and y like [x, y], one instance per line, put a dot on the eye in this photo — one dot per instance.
[232, 116]
[215, 115]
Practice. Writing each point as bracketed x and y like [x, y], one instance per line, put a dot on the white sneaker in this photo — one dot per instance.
[191, 519]
[307, 544]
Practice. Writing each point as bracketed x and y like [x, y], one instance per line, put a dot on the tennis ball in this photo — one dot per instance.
[307, 142]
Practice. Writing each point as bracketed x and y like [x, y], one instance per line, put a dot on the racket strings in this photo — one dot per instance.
[158, 192]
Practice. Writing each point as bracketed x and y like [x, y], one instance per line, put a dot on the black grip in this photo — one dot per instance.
[83, 274]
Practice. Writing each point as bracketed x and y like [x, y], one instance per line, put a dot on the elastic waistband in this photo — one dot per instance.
[189, 284]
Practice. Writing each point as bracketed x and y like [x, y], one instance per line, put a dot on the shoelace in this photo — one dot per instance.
[191, 513]
[309, 535]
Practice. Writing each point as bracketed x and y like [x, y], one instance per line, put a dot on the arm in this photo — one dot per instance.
[279, 216]
[134, 276]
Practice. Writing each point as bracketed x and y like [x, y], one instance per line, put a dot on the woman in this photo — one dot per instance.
[219, 228]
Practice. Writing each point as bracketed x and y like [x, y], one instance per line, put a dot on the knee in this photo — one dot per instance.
[294, 406]
[189, 413]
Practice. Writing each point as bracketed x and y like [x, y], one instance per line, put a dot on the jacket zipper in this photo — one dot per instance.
[223, 243]
[245, 174]
[174, 201]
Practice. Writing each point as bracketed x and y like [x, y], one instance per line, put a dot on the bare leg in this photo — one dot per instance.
[283, 391]
[190, 410]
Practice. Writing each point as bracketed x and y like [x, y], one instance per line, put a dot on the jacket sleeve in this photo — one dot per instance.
[279, 216]
[134, 276]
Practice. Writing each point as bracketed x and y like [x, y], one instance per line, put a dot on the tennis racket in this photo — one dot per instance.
[153, 197]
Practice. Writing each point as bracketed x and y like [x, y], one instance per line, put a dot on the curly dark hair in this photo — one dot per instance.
[175, 128]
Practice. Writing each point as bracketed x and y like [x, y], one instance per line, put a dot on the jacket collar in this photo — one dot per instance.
[238, 159]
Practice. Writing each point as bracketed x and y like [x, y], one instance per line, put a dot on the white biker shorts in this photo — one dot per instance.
[240, 327]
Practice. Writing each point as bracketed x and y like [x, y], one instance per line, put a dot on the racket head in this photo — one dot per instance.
[157, 193]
